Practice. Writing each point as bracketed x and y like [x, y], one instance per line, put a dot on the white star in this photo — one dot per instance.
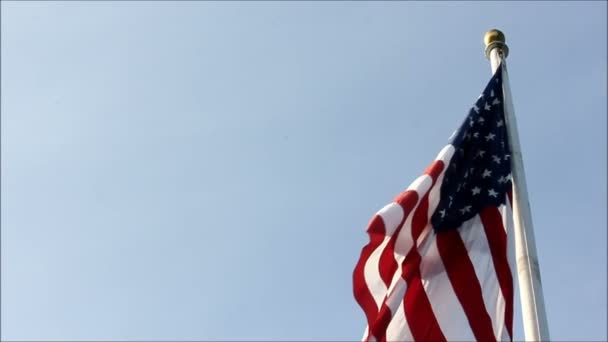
[486, 173]
[496, 159]
[487, 106]
[507, 156]
[466, 174]
[481, 120]
[442, 212]
[480, 153]
[471, 169]
[501, 180]
[475, 134]
[496, 101]
[490, 136]
[492, 193]
[475, 108]
[499, 123]
[450, 204]
[476, 190]
[466, 209]
[471, 122]
[492, 93]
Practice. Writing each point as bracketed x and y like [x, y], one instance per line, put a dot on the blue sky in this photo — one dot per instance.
[206, 170]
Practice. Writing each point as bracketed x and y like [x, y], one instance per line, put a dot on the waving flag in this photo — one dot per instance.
[438, 266]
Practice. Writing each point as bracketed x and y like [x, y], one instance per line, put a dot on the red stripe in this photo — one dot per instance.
[497, 239]
[379, 328]
[461, 273]
[360, 289]
[378, 319]
[388, 265]
[421, 215]
[420, 219]
[434, 170]
[387, 262]
[418, 311]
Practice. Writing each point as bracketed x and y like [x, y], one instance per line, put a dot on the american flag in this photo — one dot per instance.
[438, 266]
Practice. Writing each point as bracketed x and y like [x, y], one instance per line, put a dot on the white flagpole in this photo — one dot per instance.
[530, 287]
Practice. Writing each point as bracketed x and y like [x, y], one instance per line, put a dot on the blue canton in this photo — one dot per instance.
[479, 173]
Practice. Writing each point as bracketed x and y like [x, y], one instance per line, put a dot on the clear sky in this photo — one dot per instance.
[206, 170]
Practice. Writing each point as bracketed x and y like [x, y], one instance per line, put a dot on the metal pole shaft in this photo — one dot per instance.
[530, 287]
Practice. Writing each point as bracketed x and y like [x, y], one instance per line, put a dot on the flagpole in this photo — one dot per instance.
[530, 287]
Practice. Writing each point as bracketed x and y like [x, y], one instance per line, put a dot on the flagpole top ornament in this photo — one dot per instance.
[495, 39]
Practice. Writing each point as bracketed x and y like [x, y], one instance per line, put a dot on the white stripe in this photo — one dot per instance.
[507, 221]
[391, 216]
[476, 243]
[371, 272]
[398, 325]
[404, 241]
[435, 193]
[364, 338]
[421, 185]
[446, 154]
[446, 307]
[398, 328]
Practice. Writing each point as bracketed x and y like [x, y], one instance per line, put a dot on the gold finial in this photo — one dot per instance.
[495, 39]
[492, 36]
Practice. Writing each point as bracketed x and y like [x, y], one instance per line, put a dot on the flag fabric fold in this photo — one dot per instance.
[438, 265]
